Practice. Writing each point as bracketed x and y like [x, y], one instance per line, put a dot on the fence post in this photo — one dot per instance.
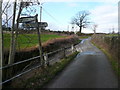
[72, 47]
[64, 52]
[111, 42]
[46, 59]
[103, 39]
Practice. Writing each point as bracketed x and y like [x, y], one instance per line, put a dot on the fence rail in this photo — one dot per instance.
[31, 59]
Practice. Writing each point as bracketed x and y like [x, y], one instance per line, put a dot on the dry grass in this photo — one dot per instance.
[110, 44]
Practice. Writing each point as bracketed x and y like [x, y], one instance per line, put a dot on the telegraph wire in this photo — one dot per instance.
[52, 16]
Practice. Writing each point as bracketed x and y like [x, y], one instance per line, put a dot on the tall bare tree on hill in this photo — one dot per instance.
[81, 20]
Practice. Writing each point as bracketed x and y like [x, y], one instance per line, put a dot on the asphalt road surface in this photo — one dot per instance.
[90, 69]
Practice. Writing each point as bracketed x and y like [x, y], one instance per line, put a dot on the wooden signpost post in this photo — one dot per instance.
[39, 39]
[34, 19]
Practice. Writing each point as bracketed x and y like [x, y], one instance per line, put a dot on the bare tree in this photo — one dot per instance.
[5, 8]
[94, 27]
[81, 20]
[12, 44]
[15, 28]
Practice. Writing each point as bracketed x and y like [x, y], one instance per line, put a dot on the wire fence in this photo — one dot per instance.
[46, 59]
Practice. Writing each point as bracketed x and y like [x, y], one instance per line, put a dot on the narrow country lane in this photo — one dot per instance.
[90, 69]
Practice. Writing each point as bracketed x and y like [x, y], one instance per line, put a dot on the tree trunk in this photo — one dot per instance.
[1, 43]
[12, 44]
[80, 29]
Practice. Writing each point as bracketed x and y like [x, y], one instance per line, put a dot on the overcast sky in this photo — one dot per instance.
[58, 13]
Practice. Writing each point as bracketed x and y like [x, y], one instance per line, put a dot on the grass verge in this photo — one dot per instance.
[43, 76]
[113, 62]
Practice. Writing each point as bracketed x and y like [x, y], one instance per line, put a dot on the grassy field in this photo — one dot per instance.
[84, 37]
[28, 40]
[112, 35]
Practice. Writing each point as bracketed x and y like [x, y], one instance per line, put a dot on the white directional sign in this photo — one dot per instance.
[34, 25]
[31, 22]
[30, 25]
[27, 19]
[42, 24]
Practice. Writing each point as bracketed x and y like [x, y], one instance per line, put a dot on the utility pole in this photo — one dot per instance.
[68, 28]
[113, 30]
[1, 43]
[39, 37]
[40, 12]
